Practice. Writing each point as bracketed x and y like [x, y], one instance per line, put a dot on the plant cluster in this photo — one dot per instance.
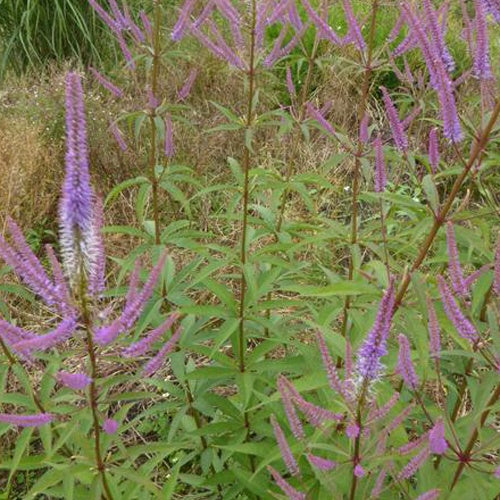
[310, 354]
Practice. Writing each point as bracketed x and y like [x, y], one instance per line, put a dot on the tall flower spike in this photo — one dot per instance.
[142, 346]
[188, 85]
[368, 365]
[380, 169]
[287, 488]
[321, 463]
[354, 29]
[76, 206]
[437, 441]
[482, 66]
[286, 452]
[27, 420]
[155, 363]
[117, 134]
[430, 495]
[111, 87]
[414, 465]
[289, 83]
[463, 326]
[291, 414]
[454, 267]
[331, 370]
[322, 26]
[318, 116]
[182, 23]
[434, 333]
[405, 366]
[437, 35]
[433, 150]
[398, 133]
[363, 128]
[169, 137]
[75, 381]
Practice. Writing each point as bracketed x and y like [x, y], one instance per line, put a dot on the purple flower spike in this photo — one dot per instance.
[363, 128]
[322, 26]
[454, 267]
[287, 488]
[433, 150]
[76, 381]
[405, 366]
[379, 484]
[291, 414]
[181, 25]
[27, 420]
[434, 333]
[112, 24]
[146, 24]
[493, 8]
[354, 29]
[368, 365]
[331, 370]
[155, 363]
[482, 66]
[13, 334]
[142, 346]
[437, 441]
[430, 495]
[318, 116]
[49, 340]
[110, 426]
[97, 253]
[321, 463]
[398, 133]
[286, 452]
[111, 87]
[117, 134]
[352, 430]
[76, 206]
[188, 85]
[463, 326]
[380, 169]
[414, 464]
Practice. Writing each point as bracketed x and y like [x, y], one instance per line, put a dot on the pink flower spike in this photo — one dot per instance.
[188, 85]
[454, 267]
[286, 452]
[291, 414]
[321, 463]
[430, 495]
[433, 150]
[352, 430]
[111, 87]
[155, 363]
[169, 148]
[496, 278]
[27, 420]
[405, 366]
[398, 133]
[414, 464]
[287, 489]
[110, 426]
[117, 134]
[289, 82]
[76, 381]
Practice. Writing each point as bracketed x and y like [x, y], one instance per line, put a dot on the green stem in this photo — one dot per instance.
[152, 116]
[363, 103]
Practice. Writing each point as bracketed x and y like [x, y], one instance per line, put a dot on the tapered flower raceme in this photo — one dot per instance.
[117, 134]
[379, 484]
[288, 403]
[455, 269]
[439, 76]
[143, 346]
[13, 334]
[27, 420]
[368, 365]
[76, 210]
[415, 464]
[111, 87]
[76, 381]
[21, 258]
[287, 488]
[321, 25]
[380, 169]
[379, 413]
[430, 495]
[398, 133]
[146, 24]
[321, 463]
[156, 362]
[331, 370]
[463, 326]
[134, 305]
[437, 441]
[405, 366]
[437, 35]
[289, 82]
[43, 342]
[188, 85]
[182, 23]
[434, 333]
[317, 115]
[411, 446]
[433, 150]
[286, 452]
[482, 66]
[354, 32]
